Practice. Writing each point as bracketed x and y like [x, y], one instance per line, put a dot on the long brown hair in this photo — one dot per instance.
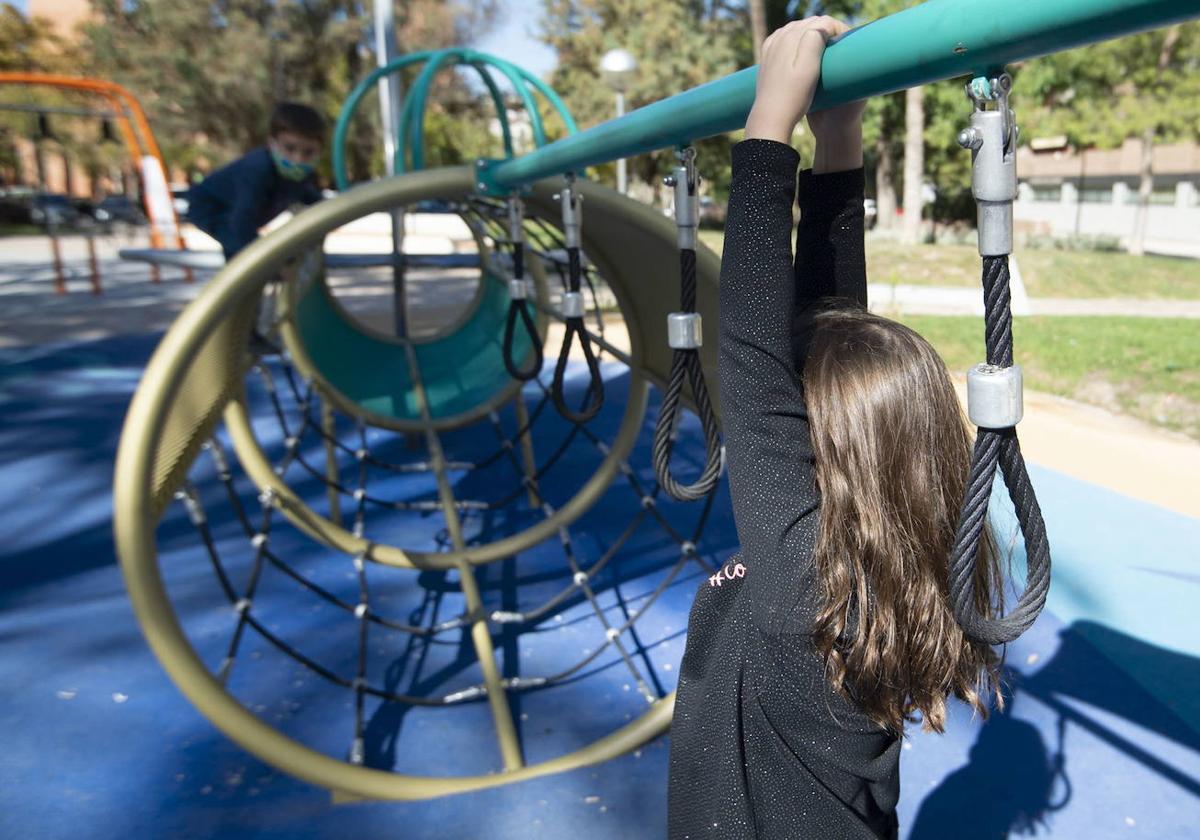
[893, 453]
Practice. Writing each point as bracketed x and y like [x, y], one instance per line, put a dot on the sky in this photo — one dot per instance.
[513, 40]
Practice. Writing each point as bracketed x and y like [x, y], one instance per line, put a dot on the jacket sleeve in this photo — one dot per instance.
[766, 425]
[830, 260]
[248, 206]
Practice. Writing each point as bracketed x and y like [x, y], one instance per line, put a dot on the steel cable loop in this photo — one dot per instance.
[686, 363]
[594, 400]
[519, 307]
[998, 448]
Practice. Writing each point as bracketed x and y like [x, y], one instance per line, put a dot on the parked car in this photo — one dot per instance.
[120, 208]
[712, 212]
[86, 209]
[870, 213]
[179, 198]
[16, 209]
[55, 210]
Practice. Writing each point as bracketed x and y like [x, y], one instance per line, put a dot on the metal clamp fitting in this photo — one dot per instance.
[684, 331]
[572, 304]
[992, 139]
[518, 289]
[686, 181]
[516, 219]
[572, 212]
[994, 396]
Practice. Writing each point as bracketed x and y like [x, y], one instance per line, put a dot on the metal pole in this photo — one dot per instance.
[390, 96]
[621, 175]
[938, 39]
[94, 263]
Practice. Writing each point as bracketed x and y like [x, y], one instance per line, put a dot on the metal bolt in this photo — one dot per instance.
[970, 138]
[669, 180]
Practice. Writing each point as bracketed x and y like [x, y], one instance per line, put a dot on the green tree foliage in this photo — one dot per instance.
[678, 44]
[31, 45]
[209, 73]
[1101, 94]
[1097, 96]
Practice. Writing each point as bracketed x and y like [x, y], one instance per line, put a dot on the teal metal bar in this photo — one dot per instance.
[937, 40]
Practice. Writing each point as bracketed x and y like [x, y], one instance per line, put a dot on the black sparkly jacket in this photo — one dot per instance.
[761, 746]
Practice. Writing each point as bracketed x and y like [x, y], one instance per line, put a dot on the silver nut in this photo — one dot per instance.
[684, 331]
[994, 396]
[572, 305]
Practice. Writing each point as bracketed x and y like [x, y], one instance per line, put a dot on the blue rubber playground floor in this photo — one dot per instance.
[1101, 738]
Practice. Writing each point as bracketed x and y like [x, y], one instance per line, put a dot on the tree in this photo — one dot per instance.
[27, 45]
[1144, 85]
[758, 26]
[881, 125]
[914, 163]
[209, 74]
[678, 44]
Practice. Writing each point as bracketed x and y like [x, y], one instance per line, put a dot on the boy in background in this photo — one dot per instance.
[231, 204]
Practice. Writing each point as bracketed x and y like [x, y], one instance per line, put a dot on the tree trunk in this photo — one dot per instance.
[68, 174]
[914, 162]
[1137, 242]
[758, 26]
[885, 187]
[39, 161]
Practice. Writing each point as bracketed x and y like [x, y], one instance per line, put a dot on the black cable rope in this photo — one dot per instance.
[263, 553]
[548, 239]
[243, 604]
[519, 307]
[998, 448]
[574, 327]
[405, 468]
[688, 550]
[226, 477]
[685, 362]
[246, 619]
[362, 610]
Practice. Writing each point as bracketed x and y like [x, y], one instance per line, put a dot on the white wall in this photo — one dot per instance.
[1170, 229]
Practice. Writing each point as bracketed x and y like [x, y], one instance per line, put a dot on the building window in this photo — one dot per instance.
[1164, 196]
[1048, 193]
[1096, 195]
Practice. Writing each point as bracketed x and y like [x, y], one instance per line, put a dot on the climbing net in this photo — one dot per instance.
[463, 488]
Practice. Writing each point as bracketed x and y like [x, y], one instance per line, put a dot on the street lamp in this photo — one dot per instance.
[617, 68]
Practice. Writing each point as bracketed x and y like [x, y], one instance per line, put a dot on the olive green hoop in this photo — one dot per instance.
[633, 246]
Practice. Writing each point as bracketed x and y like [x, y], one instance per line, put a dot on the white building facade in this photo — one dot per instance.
[1064, 193]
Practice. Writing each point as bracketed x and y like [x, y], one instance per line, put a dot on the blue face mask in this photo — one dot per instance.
[290, 169]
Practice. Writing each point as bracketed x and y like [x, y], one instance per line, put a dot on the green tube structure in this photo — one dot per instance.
[419, 96]
[517, 76]
[406, 117]
[939, 39]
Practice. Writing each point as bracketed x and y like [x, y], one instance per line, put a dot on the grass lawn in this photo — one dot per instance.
[1145, 367]
[21, 230]
[1046, 272]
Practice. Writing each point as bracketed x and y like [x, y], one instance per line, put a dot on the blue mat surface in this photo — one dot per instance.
[1101, 738]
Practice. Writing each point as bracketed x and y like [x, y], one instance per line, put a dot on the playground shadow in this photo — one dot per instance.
[1014, 780]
